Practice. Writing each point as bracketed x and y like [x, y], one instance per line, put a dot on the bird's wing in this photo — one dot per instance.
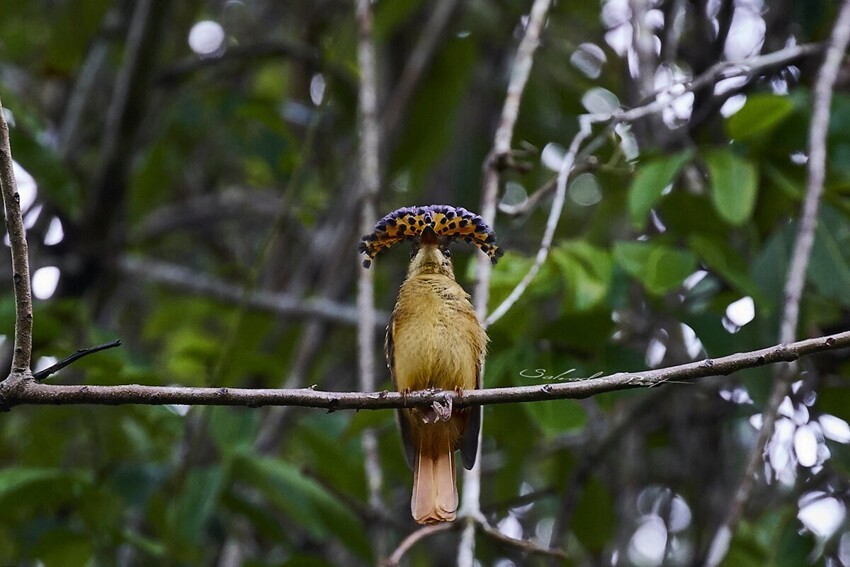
[403, 424]
[469, 441]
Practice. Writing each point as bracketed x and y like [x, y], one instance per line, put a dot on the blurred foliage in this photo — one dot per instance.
[242, 167]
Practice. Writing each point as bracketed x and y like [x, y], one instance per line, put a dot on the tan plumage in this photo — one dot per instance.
[435, 340]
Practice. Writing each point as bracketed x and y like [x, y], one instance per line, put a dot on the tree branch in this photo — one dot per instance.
[203, 211]
[87, 78]
[27, 392]
[370, 181]
[500, 154]
[413, 538]
[750, 66]
[286, 304]
[524, 545]
[473, 522]
[796, 277]
[101, 229]
[22, 353]
[241, 54]
[417, 63]
[67, 361]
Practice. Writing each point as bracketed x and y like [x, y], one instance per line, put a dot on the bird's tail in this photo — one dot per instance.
[434, 487]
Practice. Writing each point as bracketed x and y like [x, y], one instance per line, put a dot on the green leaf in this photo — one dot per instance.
[790, 187]
[554, 417]
[734, 185]
[658, 267]
[234, 429]
[197, 503]
[19, 485]
[578, 331]
[306, 501]
[63, 546]
[835, 401]
[586, 270]
[505, 365]
[650, 180]
[792, 547]
[594, 516]
[389, 16]
[512, 269]
[307, 560]
[769, 269]
[363, 420]
[829, 269]
[725, 262]
[145, 544]
[760, 114]
[445, 87]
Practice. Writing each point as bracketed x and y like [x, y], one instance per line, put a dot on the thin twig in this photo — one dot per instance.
[745, 67]
[412, 539]
[126, 110]
[520, 500]
[370, 179]
[522, 544]
[519, 78]
[551, 224]
[286, 304]
[656, 103]
[81, 95]
[585, 165]
[479, 522]
[259, 52]
[42, 374]
[101, 230]
[22, 356]
[796, 274]
[532, 201]
[202, 212]
[503, 139]
[417, 63]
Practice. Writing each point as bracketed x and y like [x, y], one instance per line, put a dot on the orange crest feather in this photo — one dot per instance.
[409, 223]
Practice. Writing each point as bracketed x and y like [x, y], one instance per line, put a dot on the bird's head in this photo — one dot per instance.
[430, 254]
[431, 228]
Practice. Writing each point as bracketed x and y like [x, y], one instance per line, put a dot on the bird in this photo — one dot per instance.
[434, 341]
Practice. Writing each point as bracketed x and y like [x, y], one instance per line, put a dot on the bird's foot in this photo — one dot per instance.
[442, 410]
[439, 411]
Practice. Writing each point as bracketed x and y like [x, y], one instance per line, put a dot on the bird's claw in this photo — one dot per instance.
[443, 410]
[439, 411]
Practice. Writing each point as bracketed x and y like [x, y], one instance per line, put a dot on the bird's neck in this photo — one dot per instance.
[431, 268]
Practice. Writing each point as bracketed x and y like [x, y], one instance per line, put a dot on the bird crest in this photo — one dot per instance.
[430, 222]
